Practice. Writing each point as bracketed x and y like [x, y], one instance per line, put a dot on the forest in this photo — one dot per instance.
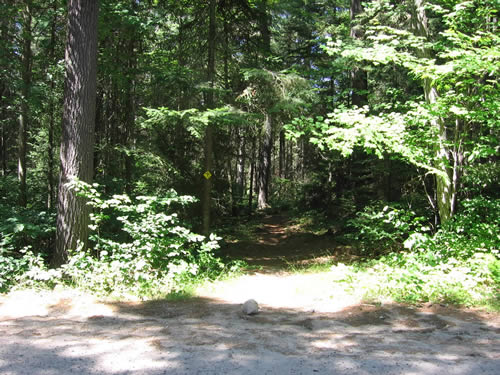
[141, 138]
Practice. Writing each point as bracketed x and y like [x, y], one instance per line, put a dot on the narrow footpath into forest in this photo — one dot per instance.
[307, 324]
[279, 243]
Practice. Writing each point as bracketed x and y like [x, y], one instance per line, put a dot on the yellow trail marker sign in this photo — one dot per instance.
[207, 175]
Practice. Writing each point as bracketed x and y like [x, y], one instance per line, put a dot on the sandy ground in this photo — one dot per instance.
[306, 325]
[66, 332]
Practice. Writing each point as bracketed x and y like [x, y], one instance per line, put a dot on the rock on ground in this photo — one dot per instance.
[250, 307]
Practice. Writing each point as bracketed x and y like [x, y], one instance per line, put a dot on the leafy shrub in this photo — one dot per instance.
[417, 277]
[380, 228]
[10, 267]
[26, 269]
[25, 236]
[494, 267]
[158, 255]
[21, 228]
[458, 264]
[473, 229]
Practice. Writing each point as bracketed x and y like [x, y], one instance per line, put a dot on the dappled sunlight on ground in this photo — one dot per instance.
[208, 336]
[314, 291]
[307, 323]
[69, 302]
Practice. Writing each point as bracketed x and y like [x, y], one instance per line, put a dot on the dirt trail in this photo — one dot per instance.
[279, 243]
[306, 326]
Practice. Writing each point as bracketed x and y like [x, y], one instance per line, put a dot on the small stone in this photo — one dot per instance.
[250, 307]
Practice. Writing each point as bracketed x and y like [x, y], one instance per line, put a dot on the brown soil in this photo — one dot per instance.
[279, 244]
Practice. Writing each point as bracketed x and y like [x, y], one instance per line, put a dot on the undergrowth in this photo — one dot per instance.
[401, 260]
[152, 253]
[410, 278]
[149, 252]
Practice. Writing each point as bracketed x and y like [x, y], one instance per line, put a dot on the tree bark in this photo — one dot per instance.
[50, 146]
[265, 164]
[3, 137]
[265, 32]
[266, 147]
[207, 182]
[4, 36]
[227, 58]
[447, 181]
[130, 112]
[78, 126]
[282, 154]
[240, 171]
[446, 185]
[3, 152]
[252, 177]
[359, 81]
[25, 96]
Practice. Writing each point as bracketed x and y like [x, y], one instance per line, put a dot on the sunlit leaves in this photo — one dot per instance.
[194, 120]
[156, 252]
[275, 91]
[462, 62]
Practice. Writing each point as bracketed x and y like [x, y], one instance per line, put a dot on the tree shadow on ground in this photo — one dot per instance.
[212, 337]
[276, 244]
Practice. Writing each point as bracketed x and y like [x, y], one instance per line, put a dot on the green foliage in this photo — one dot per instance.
[483, 179]
[26, 269]
[275, 92]
[192, 119]
[457, 58]
[494, 267]
[403, 135]
[26, 228]
[380, 228]
[459, 264]
[421, 277]
[151, 55]
[474, 229]
[25, 238]
[158, 255]
[11, 267]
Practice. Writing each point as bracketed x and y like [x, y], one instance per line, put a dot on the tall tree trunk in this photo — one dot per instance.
[231, 183]
[359, 81]
[130, 110]
[240, 171]
[289, 161]
[99, 129]
[182, 99]
[227, 57]
[282, 154]
[265, 163]
[78, 126]
[266, 147]
[303, 152]
[5, 57]
[3, 141]
[252, 177]
[25, 97]
[51, 109]
[129, 138]
[50, 154]
[207, 182]
[3, 151]
[265, 32]
[447, 181]
[446, 188]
